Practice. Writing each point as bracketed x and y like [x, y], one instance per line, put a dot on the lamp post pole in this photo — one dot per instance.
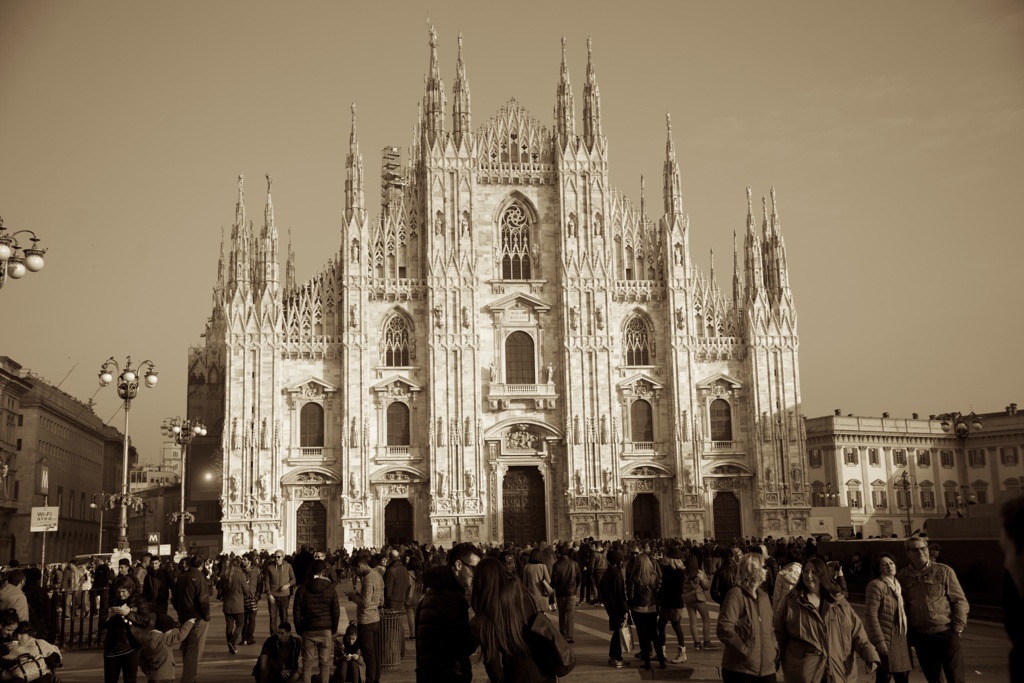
[127, 389]
[15, 260]
[105, 501]
[962, 426]
[182, 432]
[904, 482]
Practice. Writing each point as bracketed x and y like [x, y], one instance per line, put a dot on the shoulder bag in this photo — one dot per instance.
[551, 653]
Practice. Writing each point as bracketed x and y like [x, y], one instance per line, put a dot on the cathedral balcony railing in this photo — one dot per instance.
[501, 396]
[638, 291]
[722, 446]
[643, 445]
[314, 452]
[404, 452]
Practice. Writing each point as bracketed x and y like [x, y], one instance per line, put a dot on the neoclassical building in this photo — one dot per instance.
[510, 350]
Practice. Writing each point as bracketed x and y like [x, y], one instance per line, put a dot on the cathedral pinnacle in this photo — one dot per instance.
[268, 212]
[753, 260]
[355, 194]
[240, 205]
[461, 110]
[434, 99]
[591, 103]
[673, 190]
[565, 109]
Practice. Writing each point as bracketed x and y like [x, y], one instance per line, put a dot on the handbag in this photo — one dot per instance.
[626, 640]
[252, 603]
[545, 588]
[551, 653]
[28, 668]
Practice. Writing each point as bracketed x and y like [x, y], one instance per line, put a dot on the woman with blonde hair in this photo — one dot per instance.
[818, 631]
[885, 621]
[642, 594]
[750, 647]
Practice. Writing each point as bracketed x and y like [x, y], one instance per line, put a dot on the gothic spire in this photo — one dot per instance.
[565, 110]
[591, 104]
[269, 229]
[753, 265]
[736, 285]
[714, 282]
[240, 204]
[461, 111]
[766, 249]
[220, 265]
[289, 268]
[241, 237]
[267, 273]
[779, 253]
[643, 199]
[673, 183]
[355, 196]
[434, 99]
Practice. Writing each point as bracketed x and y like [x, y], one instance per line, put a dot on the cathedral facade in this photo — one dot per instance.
[511, 350]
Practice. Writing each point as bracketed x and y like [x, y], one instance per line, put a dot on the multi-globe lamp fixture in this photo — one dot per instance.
[15, 260]
[182, 432]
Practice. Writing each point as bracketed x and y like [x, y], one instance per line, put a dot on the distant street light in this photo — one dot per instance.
[182, 432]
[904, 483]
[127, 389]
[831, 497]
[102, 501]
[962, 426]
[15, 260]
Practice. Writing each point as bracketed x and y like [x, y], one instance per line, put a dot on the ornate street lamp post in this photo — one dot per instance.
[904, 483]
[127, 389]
[962, 426]
[102, 501]
[15, 260]
[831, 497]
[182, 432]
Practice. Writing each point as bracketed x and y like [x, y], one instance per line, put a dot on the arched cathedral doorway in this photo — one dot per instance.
[311, 525]
[727, 517]
[524, 507]
[646, 516]
[398, 521]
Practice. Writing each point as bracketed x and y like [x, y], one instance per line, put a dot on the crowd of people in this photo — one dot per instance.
[783, 609]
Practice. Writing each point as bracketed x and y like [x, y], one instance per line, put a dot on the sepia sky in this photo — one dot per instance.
[892, 131]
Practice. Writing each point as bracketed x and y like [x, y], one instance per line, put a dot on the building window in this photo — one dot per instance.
[1008, 455]
[396, 343]
[850, 456]
[520, 364]
[924, 458]
[899, 456]
[641, 420]
[853, 498]
[902, 499]
[635, 343]
[814, 458]
[976, 457]
[946, 458]
[873, 456]
[17, 445]
[398, 424]
[721, 420]
[950, 497]
[981, 496]
[879, 500]
[927, 499]
[311, 426]
[515, 244]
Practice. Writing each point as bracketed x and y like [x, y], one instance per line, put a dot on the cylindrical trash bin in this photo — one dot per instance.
[392, 635]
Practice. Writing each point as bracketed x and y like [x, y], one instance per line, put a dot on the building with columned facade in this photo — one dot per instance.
[859, 462]
[511, 349]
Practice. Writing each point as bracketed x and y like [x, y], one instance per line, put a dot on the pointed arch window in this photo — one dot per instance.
[636, 343]
[398, 424]
[641, 421]
[396, 342]
[721, 420]
[520, 363]
[515, 244]
[311, 426]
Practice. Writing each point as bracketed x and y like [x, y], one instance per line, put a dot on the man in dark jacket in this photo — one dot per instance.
[155, 588]
[566, 578]
[279, 659]
[396, 582]
[316, 611]
[612, 592]
[192, 601]
[444, 640]
[253, 593]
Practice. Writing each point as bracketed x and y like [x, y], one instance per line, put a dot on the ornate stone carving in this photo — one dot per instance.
[311, 390]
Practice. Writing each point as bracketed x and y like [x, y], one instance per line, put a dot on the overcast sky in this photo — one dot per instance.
[893, 132]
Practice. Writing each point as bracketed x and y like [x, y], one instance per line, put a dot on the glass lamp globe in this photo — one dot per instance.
[16, 269]
[128, 376]
[34, 261]
[5, 251]
[151, 379]
[106, 378]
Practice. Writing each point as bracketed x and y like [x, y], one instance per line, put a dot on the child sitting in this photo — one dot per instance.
[348, 658]
[27, 658]
[156, 658]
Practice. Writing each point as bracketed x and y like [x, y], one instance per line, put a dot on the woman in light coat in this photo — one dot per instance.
[745, 627]
[818, 632]
[537, 580]
[885, 621]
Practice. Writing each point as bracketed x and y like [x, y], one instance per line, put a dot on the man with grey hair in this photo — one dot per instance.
[278, 580]
[936, 613]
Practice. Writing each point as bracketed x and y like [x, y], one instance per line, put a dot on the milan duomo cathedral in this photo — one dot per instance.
[512, 350]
